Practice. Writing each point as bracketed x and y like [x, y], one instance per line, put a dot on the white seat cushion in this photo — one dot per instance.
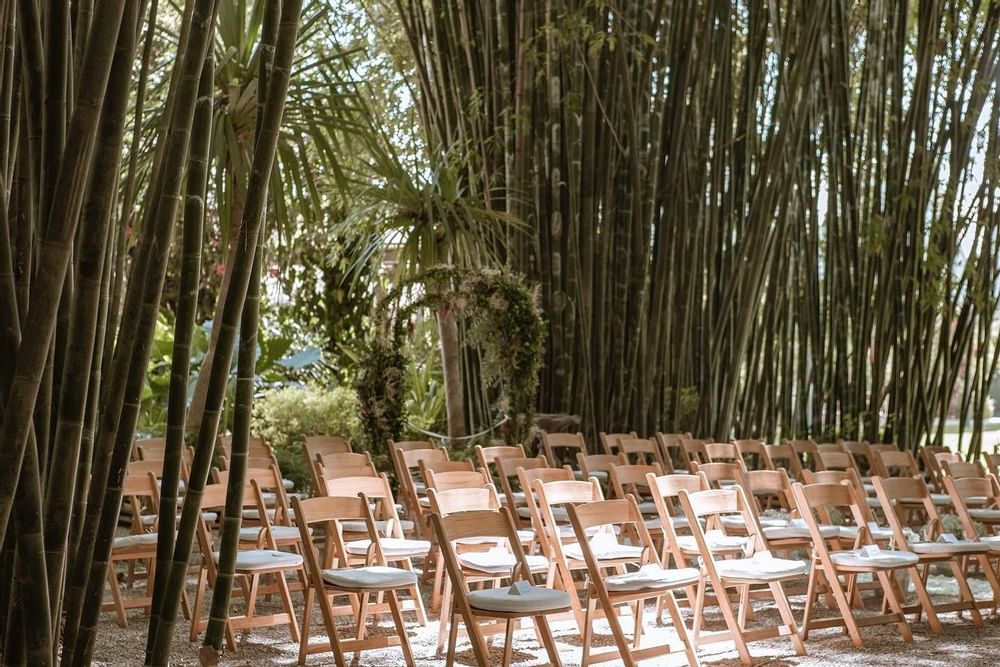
[600, 475]
[135, 541]
[878, 533]
[982, 514]
[519, 598]
[499, 561]
[797, 529]
[936, 498]
[264, 559]
[288, 484]
[392, 547]
[604, 546]
[716, 541]
[524, 535]
[375, 577]
[885, 559]
[519, 498]
[279, 532]
[761, 567]
[647, 507]
[567, 531]
[992, 541]
[736, 521]
[941, 547]
[380, 526]
[651, 576]
[675, 521]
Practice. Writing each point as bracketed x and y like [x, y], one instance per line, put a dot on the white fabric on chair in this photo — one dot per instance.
[959, 546]
[264, 559]
[135, 541]
[522, 597]
[392, 547]
[380, 526]
[604, 546]
[983, 514]
[851, 532]
[279, 533]
[886, 559]
[716, 541]
[651, 576]
[375, 576]
[762, 566]
[499, 561]
[796, 529]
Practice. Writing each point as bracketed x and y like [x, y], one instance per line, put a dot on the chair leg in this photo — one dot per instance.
[699, 606]
[543, 629]
[810, 600]
[116, 596]
[445, 615]
[359, 630]
[452, 639]
[286, 602]
[727, 612]
[397, 617]
[781, 600]
[508, 642]
[199, 600]
[616, 629]
[306, 623]
[670, 602]
[925, 602]
[588, 631]
[891, 588]
[965, 593]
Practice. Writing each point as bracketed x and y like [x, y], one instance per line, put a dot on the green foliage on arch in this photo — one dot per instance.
[503, 321]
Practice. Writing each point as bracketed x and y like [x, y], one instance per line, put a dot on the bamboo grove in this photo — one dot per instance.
[757, 218]
[86, 235]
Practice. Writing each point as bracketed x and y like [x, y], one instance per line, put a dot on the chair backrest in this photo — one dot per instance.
[377, 489]
[752, 453]
[149, 448]
[257, 448]
[563, 447]
[410, 445]
[851, 477]
[631, 479]
[331, 512]
[487, 456]
[142, 492]
[444, 465]
[604, 515]
[766, 483]
[609, 441]
[268, 480]
[704, 510]
[961, 469]
[332, 466]
[143, 466]
[672, 449]
[984, 492]
[929, 461]
[457, 479]
[783, 456]
[893, 491]
[865, 459]
[694, 451]
[992, 463]
[716, 473]
[899, 464]
[830, 447]
[836, 459]
[591, 463]
[463, 500]
[808, 453]
[884, 447]
[325, 444]
[640, 450]
[722, 452]
[546, 496]
[819, 498]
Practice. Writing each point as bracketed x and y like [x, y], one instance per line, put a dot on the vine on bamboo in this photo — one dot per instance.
[503, 321]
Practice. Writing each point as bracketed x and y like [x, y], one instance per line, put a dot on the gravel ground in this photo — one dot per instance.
[961, 643]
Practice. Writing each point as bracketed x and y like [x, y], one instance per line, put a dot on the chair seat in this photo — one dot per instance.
[944, 548]
[377, 577]
[794, 530]
[150, 519]
[129, 542]
[288, 484]
[264, 559]
[992, 541]
[499, 561]
[716, 541]
[936, 498]
[736, 521]
[522, 598]
[392, 547]
[519, 498]
[761, 567]
[567, 530]
[982, 514]
[648, 507]
[254, 515]
[361, 527]
[525, 535]
[652, 576]
[600, 475]
[280, 533]
[886, 559]
[558, 513]
[604, 546]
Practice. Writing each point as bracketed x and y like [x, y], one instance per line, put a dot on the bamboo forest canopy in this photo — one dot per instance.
[746, 217]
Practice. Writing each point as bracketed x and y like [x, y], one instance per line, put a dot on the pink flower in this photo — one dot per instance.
[220, 269]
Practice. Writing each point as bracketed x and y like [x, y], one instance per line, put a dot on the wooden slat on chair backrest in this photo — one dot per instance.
[609, 441]
[562, 446]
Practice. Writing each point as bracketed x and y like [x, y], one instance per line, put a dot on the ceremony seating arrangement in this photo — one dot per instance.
[691, 525]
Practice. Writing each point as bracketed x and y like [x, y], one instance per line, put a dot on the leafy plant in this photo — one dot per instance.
[285, 416]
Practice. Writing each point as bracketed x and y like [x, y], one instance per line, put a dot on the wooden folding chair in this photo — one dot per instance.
[719, 475]
[864, 558]
[563, 448]
[410, 445]
[879, 532]
[753, 454]
[694, 451]
[521, 599]
[931, 469]
[598, 466]
[865, 458]
[755, 566]
[780, 534]
[939, 548]
[257, 447]
[325, 444]
[609, 441]
[330, 577]
[553, 521]
[411, 486]
[642, 451]
[487, 456]
[899, 464]
[609, 586]
[514, 496]
[631, 480]
[977, 500]
[992, 463]
[140, 546]
[808, 454]
[332, 466]
[672, 449]
[783, 456]
[252, 565]
[149, 448]
[397, 549]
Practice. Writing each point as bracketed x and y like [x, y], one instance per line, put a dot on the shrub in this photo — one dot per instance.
[284, 417]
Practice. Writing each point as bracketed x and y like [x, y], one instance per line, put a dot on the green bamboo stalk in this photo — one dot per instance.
[263, 158]
[187, 310]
